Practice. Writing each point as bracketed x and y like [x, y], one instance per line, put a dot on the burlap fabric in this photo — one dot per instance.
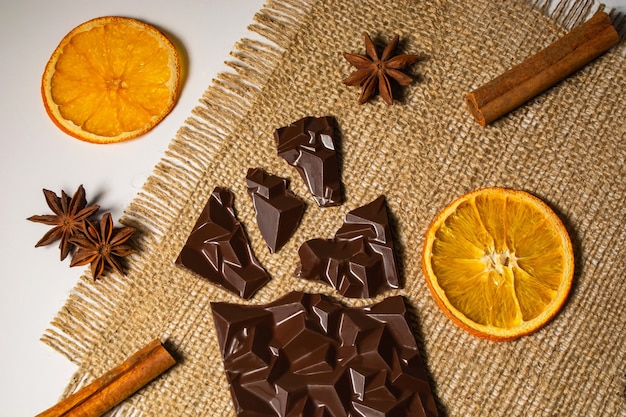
[567, 146]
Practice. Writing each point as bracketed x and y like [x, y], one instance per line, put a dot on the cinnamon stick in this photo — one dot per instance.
[116, 385]
[542, 70]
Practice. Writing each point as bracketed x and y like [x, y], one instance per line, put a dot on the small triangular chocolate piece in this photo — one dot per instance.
[308, 145]
[278, 210]
[360, 261]
[218, 248]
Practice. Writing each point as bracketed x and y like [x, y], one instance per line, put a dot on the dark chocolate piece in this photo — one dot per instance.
[360, 261]
[309, 145]
[306, 355]
[218, 248]
[278, 210]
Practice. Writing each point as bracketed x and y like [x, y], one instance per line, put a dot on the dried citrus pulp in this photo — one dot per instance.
[111, 79]
[499, 263]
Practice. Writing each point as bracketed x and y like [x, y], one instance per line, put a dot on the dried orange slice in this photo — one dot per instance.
[111, 79]
[498, 262]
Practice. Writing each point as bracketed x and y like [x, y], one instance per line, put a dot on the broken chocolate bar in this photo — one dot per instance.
[306, 355]
[278, 210]
[360, 261]
[218, 248]
[309, 145]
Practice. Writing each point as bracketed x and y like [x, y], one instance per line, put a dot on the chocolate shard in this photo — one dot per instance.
[278, 210]
[309, 145]
[307, 355]
[218, 248]
[360, 261]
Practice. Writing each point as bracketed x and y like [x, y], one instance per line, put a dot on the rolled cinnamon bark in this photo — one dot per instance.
[116, 385]
[542, 70]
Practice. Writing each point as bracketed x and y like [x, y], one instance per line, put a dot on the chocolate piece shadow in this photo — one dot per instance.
[218, 248]
[278, 210]
[360, 261]
[306, 355]
[308, 145]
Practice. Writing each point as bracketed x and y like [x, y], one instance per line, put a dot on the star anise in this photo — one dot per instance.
[101, 245]
[67, 219]
[374, 74]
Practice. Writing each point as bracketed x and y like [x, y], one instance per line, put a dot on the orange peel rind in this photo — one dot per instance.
[499, 263]
[111, 79]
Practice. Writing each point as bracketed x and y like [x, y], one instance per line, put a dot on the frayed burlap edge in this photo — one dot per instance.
[570, 14]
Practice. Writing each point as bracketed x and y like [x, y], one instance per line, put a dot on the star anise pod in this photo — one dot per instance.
[374, 74]
[67, 219]
[101, 245]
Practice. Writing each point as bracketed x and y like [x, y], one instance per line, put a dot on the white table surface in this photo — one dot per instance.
[35, 154]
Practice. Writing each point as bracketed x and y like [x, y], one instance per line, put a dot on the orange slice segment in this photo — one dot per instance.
[498, 262]
[111, 79]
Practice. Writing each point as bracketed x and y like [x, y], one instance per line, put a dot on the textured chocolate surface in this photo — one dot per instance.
[360, 261]
[306, 355]
[309, 145]
[218, 248]
[278, 210]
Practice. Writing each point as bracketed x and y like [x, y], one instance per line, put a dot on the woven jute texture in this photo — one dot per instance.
[567, 146]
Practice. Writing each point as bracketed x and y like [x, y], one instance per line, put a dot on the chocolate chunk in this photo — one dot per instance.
[360, 261]
[309, 145]
[306, 355]
[218, 248]
[278, 210]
